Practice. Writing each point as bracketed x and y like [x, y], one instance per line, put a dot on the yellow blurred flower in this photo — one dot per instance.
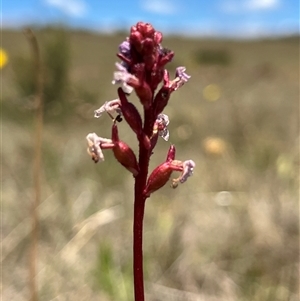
[285, 166]
[3, 58]
[184, 131]
[214, 146]
[212, 92]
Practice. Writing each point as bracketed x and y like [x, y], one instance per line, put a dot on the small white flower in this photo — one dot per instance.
[180, 79]
[162, 122]
[180, 73]
[122, 75]
[127, 89]
[109, 106]
[95, 145]
[188, 168]
[124, 48]
[124, 78]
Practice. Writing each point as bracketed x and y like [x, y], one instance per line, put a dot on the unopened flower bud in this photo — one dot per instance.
[144, 93]
[161, 99]
[158, 178]
[146, 29]
[148, 46]
[136, 39]
[171, 153]
[142, 90]
[166, 57]
[161, 174]
[123, 153]
[149, 55]
[130, 113]
[156, 76]
[158, 37]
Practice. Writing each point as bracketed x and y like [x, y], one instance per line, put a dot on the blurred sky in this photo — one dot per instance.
[234, 18]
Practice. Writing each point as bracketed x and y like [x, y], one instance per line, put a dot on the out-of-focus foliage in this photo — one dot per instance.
[59, 94]
[57, 67]
[212, 57]
[24, 73]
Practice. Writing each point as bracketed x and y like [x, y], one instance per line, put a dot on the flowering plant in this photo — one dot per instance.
[142, 69]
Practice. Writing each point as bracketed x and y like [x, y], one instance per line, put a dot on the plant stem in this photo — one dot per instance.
[139, 209]
[138, 217]
[138, 275]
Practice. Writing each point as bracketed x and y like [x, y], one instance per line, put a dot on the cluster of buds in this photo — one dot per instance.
[142, 69]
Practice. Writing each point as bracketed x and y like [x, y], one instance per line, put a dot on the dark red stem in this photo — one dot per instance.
[139, 208]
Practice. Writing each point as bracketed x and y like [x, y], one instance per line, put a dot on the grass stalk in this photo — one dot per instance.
[37, 162]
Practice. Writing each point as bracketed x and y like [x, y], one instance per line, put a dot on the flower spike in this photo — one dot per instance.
[142, 68]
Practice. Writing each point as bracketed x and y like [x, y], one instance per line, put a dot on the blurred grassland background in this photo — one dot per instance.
[230, 233]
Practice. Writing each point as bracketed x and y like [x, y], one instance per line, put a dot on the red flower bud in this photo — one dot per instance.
[161, 99]
[142, 89]
[133, 29]
[171, 153]
[162, 173]
[130, 113]
[146, 29]
[158, 37]
[123, 153]
[136, 40]
[140, 25]
[166, 59]
[158, 178]
[148, 46]
[144, 93]
[156, 77]
[149, 55]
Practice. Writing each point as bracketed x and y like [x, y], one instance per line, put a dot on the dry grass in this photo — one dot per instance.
[230, 233]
